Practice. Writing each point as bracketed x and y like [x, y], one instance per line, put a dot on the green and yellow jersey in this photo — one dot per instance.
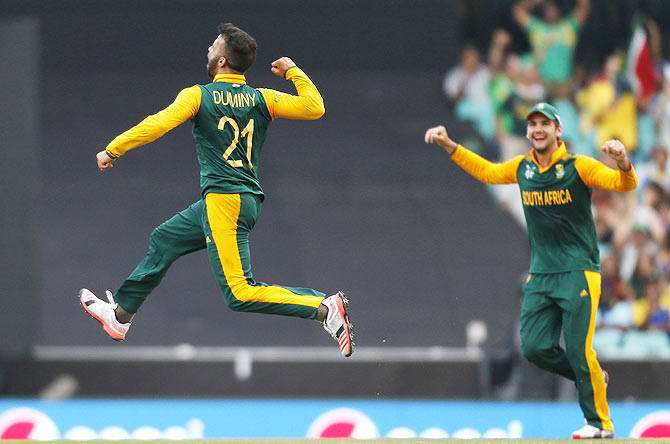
[230, 121]
[553, 47]
[556, 202]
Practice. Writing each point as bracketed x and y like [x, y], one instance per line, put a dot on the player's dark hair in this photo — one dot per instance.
[240, 47]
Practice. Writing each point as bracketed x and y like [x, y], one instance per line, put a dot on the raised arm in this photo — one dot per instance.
[596, 174]
[184, 107]
[307, 105]
[499, 41]
[655, 39]
[521, 11]
[478, 167]
[581, 11]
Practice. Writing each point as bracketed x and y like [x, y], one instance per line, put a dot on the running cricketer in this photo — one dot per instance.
[563, 286]
[230, 121]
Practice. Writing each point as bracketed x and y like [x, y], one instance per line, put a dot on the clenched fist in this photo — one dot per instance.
[104, 161]
[280, 66]
[438, 135]
[615, 149]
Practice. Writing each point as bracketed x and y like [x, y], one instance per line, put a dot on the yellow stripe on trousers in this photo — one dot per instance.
[223, 211]
[597, 379]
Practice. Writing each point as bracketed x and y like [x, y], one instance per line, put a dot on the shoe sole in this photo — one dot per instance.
[111, 333]
[345, 339]
[598, 436]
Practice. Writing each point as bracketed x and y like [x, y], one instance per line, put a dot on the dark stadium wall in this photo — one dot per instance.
[19, 172]
[355, 201]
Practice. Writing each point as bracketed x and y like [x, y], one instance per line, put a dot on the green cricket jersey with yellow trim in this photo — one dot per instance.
[557, 206]
[229, 131]
[556, 202]
[230, 121]
[563, 286]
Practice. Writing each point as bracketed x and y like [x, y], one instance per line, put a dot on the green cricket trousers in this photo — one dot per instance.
[566, 301]
[221, 223]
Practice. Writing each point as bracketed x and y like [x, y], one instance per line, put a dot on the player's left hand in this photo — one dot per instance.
[615, 149]
[104, 161]
[280, 66]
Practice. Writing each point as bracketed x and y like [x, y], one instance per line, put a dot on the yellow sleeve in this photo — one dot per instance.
[185, 107]
[597, 174]
[485, 171]
[307, 105]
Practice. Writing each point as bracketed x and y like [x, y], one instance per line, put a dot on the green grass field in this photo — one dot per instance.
[366, 441]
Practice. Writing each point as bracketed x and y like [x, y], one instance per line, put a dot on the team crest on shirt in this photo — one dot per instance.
[560, 171]
[529, 172]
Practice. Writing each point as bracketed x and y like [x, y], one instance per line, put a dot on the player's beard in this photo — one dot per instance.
[545, 145]
[542, 149]
[211, 65]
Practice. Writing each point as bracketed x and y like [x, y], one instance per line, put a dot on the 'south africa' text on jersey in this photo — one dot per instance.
[553, 197]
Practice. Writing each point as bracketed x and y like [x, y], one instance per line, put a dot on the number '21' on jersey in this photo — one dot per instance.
[229, 130]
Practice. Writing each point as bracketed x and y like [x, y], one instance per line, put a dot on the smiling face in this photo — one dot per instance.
[542, 132]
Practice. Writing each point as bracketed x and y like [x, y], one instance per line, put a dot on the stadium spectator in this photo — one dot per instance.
[612, 213]
[530, 87]
[657, 317]
[553, 39]
[647, 213]
[656, 170]
[466, 87]
[613, 287]
[646, 84]
[638, 263]
[607, 110]
[664, 216]
[506, 74]
[661, 110]
[620, 313]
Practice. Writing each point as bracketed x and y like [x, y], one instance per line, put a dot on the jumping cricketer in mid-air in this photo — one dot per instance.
[230, 121]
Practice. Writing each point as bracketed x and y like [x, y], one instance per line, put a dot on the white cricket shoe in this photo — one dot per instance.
[591, 432]
[103, 312]
[337, 322]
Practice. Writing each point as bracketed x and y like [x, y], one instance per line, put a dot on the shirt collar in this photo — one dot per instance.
[231, 78]
[555, 157]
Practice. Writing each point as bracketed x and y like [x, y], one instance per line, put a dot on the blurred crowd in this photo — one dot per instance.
[628, 98]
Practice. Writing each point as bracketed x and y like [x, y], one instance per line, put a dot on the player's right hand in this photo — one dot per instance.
[104, 161]
[280, 66]
[438, 135]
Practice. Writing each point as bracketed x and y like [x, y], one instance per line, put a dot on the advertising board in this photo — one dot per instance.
[116, 419]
